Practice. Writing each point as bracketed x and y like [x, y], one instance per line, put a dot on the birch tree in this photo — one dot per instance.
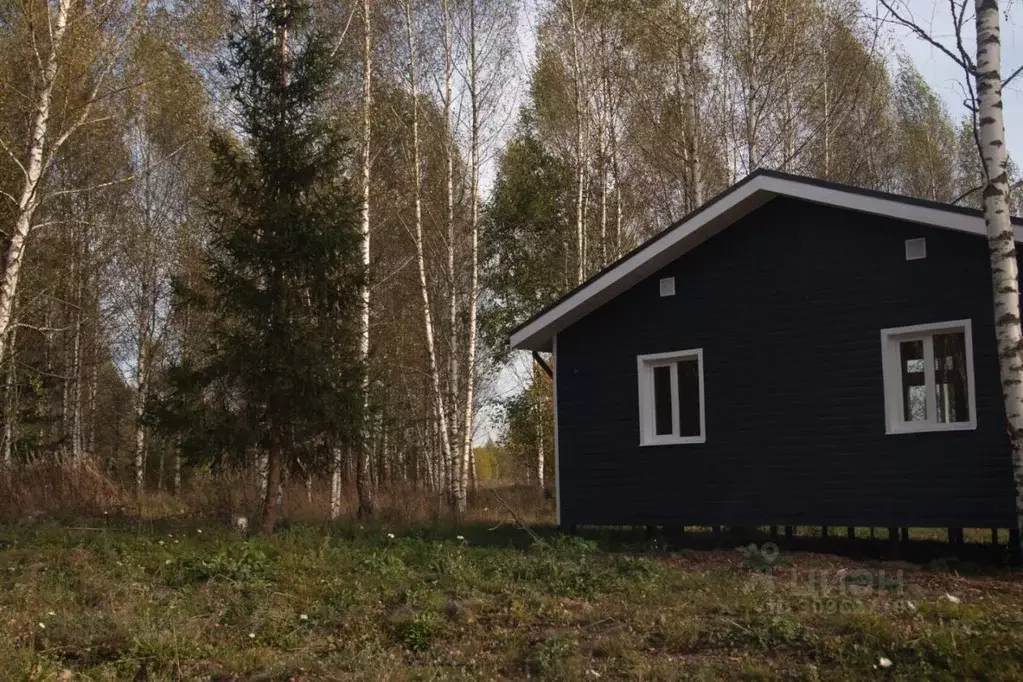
[165, 131]
[440, 407]
[983, 81]
[46, 136]
[578, 87]
[1001, 239]
[362, 474]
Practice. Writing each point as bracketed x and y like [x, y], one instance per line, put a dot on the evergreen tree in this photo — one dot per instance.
[528, 257]
[280, 375]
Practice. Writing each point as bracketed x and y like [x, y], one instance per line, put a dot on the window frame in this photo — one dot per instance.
[645, 365]
[895, 422]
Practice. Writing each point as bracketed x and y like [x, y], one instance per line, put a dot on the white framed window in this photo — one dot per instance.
[671, 405]
[928, 377]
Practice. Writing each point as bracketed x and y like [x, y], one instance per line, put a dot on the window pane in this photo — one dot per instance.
[950, 384]
[914, 388]
[689, 397]
[662, 400]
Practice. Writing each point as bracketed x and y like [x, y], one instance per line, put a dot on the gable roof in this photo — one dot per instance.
[737, 201]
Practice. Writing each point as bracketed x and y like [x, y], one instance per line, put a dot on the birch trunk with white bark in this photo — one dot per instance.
[77, 455]
[143, 368]
[454, 475]
[440, 410]
[362, 468]
[695, 148]
[1001, 241]
[468, 408]
[752, 87]
[616, 178]
[10, 406]
[602, 136]
[33, 175]
[688, 107]
[580, 157]
[139, 408]
[538, 408]
[93, 387]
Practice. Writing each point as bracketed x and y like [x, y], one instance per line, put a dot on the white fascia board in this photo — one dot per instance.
[889, 208]
[537, 334]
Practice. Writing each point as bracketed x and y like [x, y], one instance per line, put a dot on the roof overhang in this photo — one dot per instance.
[741, 199]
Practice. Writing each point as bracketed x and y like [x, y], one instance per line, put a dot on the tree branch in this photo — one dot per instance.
[14, 158]
[958, 22]
[1011, 76]
[923, 35]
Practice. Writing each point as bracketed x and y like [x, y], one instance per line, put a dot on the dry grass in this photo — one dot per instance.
[83, 491]
[49, 488]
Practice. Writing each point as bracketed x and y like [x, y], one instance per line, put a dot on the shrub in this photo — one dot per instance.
[244, 562]
[551, 657]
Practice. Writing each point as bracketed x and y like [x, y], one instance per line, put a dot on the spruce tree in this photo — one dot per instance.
[280, 375]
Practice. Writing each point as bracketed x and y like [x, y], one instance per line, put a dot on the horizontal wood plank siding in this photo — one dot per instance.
[787, 305]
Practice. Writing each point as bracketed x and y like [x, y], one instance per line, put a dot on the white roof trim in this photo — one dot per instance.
[718, 215]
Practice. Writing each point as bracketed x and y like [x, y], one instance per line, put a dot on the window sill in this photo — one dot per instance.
[930, 428]
[687, 440]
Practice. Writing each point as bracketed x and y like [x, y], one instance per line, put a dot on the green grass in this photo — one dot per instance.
[316, 602]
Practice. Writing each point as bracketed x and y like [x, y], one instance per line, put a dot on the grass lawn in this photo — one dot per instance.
[189, 601]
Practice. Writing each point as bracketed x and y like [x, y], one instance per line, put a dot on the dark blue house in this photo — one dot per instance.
[795, 352]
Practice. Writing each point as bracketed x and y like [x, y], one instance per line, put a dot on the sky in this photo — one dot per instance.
[944, 75]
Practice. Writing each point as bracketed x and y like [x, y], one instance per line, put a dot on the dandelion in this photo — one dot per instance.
[252, 635]
[460, 537]
[303, 617]
[952, 598]
[884, 662]
[50, 613]
[42, 626]
[390, 535]
[199, 531]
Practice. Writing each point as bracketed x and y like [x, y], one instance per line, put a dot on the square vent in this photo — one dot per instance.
[916, 249]
[667, 287]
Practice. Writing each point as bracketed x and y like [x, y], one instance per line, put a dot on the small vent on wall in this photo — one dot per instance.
[916, 249]
[667, 287]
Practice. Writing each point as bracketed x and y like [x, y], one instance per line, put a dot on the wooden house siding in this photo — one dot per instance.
[788, 305]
